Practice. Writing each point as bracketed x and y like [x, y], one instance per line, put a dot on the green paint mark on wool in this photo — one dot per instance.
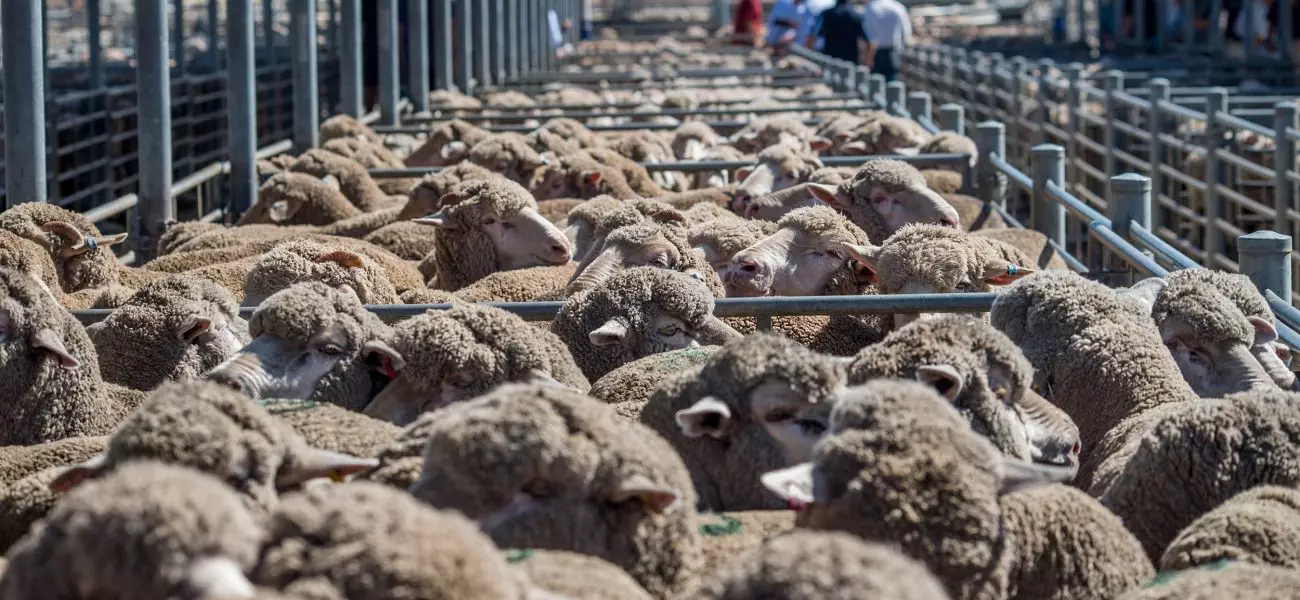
[518, 556]
[728, 526]
[280, 405]
[1168, 576]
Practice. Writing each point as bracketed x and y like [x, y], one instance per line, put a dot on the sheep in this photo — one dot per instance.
[809, 255]
[883, 196]
[333, 428]
[779, 167]
[974, 215]
[545, 141]
[489, 225]
[636, 313]
[307, 343]
[306, 260]
[646, 147]
[883, 134]
[711, 198]
[579, 176]
[576, 576]
[592, 222]
[507, 154]
[509, 98]
[546, 467]
[709, 212]
[447, 144]
[900, 465]
[148, 531]
[443, 357]
[1030, 243]
[720, 240]
[557, 210]
[51, 367]
[172, 329]
[638, 178]
[943, 181]
[401, 460]
[765, 132]
[933, 259]
[345, 126]
[948, 142]
[21, 254]
[451, 99]
[773, 206]
[366, 541]
[83, 256]
[984, 376]
[757, 405]
[1221, 581]
[1209, 335]
[17, 462]
[646, 244]
[572, 129]
[628, 387]
[722, 177]
[1257, 526]
[813, 565]
[520, 285]
[292, 198]
[354, 181]
[693, 139]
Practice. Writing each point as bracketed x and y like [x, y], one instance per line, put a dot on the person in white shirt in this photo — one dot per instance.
[807, 29]
[1254, 12]
[558, 44]
[889, 29]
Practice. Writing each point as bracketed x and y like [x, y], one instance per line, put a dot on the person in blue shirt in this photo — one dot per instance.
[783, 22]
[807, 34]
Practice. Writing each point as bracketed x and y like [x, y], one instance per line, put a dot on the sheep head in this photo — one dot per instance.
[885, 195]
[778, 168]
[308, 260]
[645, 245]
[812, 253]
[507, 154]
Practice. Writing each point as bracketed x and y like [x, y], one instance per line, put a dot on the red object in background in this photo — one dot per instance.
[748, 21]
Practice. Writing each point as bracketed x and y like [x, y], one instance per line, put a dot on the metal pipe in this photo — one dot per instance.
[1285, 118]
[24, 107]
[1265, 257]
[671, 112]
[390, 78]
[952, 117]
[990, 140]
[94, 29]
[268, 28]
[498, 18]
[1156, 126]
[1130, 203]
[1046, 215]
[417, 54]
[464, 49]
[306, 96]
[512, 41]
[154, 127]
[350, 64]
[482, 43]
[1112, 82]
[1216, 101]
[919, 160]
[241, 104]
[214, 41]
[443, 51]
[178, 24]
[918, 103]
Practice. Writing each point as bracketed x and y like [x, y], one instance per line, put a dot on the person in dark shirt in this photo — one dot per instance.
[842, 29]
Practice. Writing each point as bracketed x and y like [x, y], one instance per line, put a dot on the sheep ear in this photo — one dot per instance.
[1020, 475]
[192, 327]
[382, 357]
[743, 173]
[819, 143]
[866, 254]
[76, 474]
[1145, 292]
[708, 416]
[310, 463]
[792, 484]
[854, 148]
[110, 240]
[49, 341]
[453, 148]
[1003, 272]
[343, 258]
[829, 194]
[592, 177]
[611, 333]
[280, 211]
[218, 577]
[331, 182]
[438, 219]
[943, 378]
[74, 242]
[1265, 332]
[655, 497]
[909, 151]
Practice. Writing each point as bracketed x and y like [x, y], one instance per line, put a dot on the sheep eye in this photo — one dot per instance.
[507, 225]
[331, 350]
[538, 488]
[778, 415]
[489, 221]
[811, 427]
[668, 331]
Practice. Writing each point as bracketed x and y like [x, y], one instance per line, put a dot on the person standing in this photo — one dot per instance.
[889, 29]
[746, 28]
[783, 22]
[841, 29]
[812, 9]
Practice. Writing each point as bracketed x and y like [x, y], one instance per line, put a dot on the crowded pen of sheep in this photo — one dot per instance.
[243, 424]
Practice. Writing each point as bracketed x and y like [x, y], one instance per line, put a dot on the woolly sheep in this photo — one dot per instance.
[638, 178]
[306, 260]
[520, 285]
[291, 198]
[576, 576]
[636, 313]
[172, 329]
[721, 177]
[21, 254]
[943, 181]
[1222, 581]
[334, 428]
[882, 134]
[17, 462]
[757, 405]
[984, 376]
[646, 147]
[447, 144]
[693, 139]
[572, 129]
[885, 195]
[974, 214]
[719, 241]
[811, 254]
[812, 565]
[900, 465]
[507, 154]
[546, 467]
[148, 531]
[353, 179]
[401, 460]
[708, 212]
[1029, 242]
[765, 132]
[491, 225]
[779, 167]
[593, 221]
[52, 370]
[364, 541]
[578, 176]
[627, 388]
[646, 244]
[1260, 525]
[947, 142]
[82, 254]
[307, 344]
[345, 126]
[443, 357]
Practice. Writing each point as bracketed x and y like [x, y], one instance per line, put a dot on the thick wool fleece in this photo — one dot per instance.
[545, 141]
[576, 576]
[1098, 357]
[21, 254]
[547, 467]
[354, 182]
[1028, 243]
[94, 268]
[824, 223]
[298, 313]
[726, 471]
[144, 532]
[765, 132]
[401, 460]
[708, 212]
[889, 175]
[507, 154]
[947, 142]
[334, 428]
[634, 297]
[974, 215]
[633, 180]
[17, 462]
[406, 240]
[810, 565]
[464, 252]
[1260, 525]
[430, 153]
[720, 240]
[298, 199]
[305, 260]
[901, 466]
[572, 129]
[628, 387]
[521, 285]
[977, 351]
[44, 400]
[345, 126]
[1195, 297]
[155, 337]
[628, 240]
[790, 162]
[1222, 581]
[941, 258]
[944, 182]
[1190, 459]
[370, 542]
[511, 98]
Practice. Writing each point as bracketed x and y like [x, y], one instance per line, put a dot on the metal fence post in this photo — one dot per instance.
[895, 92]
[464, 48]
[1265, 257]
[1284, 29]
[95, 59]
[1113, 81]
[918, 104]
[512, 38]
[1043, 116]
[498, 20]
[154, 109]
[390, 78]
[241, 104]
[443, 51]
[417, 54]
[350, 58]
[214, 46]
[24, 107]
[1046, 215]
[1073, 101]
[268, 26]
[306, 100]
[1284, 119]
[1156, 127]
[863, 83]
[1216, 100]
[1131, 203]
[952, 117]
[178, 31]
[878, 90]
[990, 140]
[482, 44]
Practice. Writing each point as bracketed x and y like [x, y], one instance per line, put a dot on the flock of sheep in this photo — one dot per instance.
[1076, 442]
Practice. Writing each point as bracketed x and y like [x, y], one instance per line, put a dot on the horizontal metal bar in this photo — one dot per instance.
[1075, 205]
[1154, 243]
[1025, 182]
[919, 160]
[668, 112]
[724, 307]
[1180, 111]
[631, 126]
[1283, 310]
[1245, 164]
[1125, 250]
[1130, 100]
[617, 105]
[1240, 123]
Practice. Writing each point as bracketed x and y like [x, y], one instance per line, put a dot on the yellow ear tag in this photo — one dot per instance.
[336, 476]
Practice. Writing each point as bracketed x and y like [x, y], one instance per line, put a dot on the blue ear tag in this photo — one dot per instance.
[90, 241]
[1012, 268]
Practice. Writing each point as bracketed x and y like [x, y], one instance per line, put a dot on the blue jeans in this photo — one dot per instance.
[886, 63]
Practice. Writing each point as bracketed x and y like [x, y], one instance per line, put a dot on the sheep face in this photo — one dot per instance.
[523, 238]
[812, 247]
[558, 180]
[777, 169]
[80, 256]
[448, 144]
[1275, 357]
[785, 417]
[884, 196]
[273, 367]
[1215, 366]
[507, 155]
[296, 262]
[645, 245]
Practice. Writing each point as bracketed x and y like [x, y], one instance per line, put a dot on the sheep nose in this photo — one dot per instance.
[740, 202]
[749, 265]
[947, 222]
